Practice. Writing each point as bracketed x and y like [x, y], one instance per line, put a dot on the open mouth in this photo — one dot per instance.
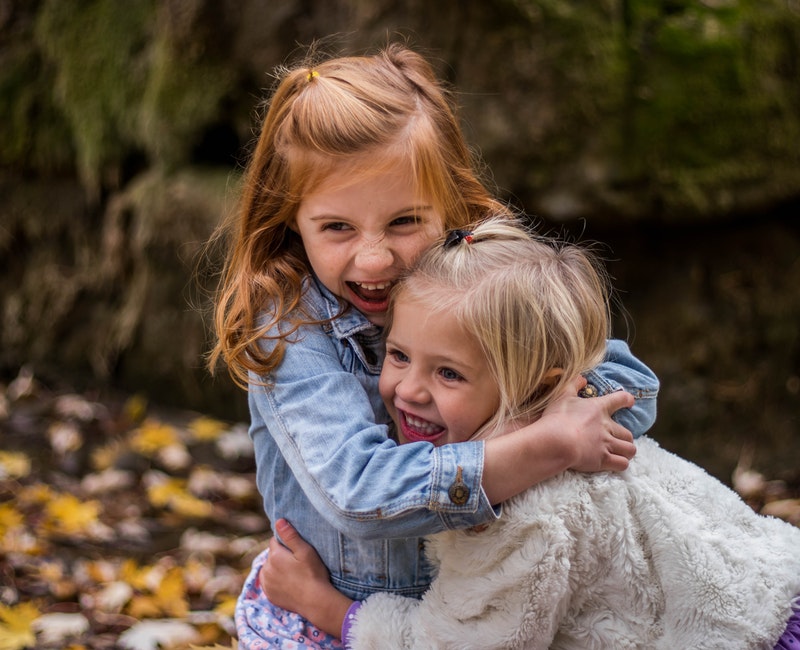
[370, 297]
[415, 429]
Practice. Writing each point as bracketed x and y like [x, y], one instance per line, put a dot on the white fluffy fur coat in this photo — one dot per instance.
[661, 556]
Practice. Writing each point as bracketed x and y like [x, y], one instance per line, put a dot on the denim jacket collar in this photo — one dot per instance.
[342, 325]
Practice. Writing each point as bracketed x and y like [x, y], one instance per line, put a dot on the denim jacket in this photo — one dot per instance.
[326, 463]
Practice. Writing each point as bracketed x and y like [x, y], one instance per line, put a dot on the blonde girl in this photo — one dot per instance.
[359, 166]
[660, 556]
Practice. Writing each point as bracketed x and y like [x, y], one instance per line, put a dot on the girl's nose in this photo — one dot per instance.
[412, 389]
[374, 256]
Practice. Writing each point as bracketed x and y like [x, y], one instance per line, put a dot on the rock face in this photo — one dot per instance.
[668, 130]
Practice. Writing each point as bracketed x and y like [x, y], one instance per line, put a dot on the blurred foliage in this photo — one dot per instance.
[676, 106]
[121, 526]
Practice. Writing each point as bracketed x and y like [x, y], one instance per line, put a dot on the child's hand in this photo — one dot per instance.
[294, 578]
[597, 442]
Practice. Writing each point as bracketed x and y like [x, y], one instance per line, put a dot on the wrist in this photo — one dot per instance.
[330, 611]
[548, 446]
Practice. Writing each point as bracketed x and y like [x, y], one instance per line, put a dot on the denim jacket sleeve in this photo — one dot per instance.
[620, 370]
[320, 417]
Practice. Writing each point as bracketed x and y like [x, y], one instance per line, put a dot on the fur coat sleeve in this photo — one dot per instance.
[660, 556]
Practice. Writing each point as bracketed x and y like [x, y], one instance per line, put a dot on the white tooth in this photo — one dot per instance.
[373, 287]
[421, 425]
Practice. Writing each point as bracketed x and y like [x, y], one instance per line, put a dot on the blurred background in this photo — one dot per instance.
[666, 129]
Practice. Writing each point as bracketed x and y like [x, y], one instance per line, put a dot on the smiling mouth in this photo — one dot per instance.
[377, 292]
[416, 429]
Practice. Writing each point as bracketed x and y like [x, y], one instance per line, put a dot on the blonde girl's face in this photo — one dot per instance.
[360, 232]
[435, 381]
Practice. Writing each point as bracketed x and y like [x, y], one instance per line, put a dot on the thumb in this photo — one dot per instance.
[289, 536]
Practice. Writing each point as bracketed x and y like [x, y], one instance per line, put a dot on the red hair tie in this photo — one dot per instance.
[455, 237]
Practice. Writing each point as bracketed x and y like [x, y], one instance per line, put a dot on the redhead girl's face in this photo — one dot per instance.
[360, 235]
[435, 381]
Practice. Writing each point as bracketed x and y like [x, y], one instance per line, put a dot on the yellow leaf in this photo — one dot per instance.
[206, 429]
[14, 464]
[143, 607]
[16, 630]
[36, 494]
[226, 606]
[171, 493]
[10, 518]
[20, 540]
[135, 576]
[190, 506]
[69, 515]
[136, 408]
[153, 436]
[171, 594]
[105, 456]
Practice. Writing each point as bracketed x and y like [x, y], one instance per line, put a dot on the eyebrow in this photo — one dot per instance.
[415, 208]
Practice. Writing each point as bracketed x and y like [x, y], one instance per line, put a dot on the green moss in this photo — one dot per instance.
[33, 133]
[183, 93]
[130, 79]
[97, 51]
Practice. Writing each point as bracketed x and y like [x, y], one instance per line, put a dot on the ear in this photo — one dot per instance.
[551, 377]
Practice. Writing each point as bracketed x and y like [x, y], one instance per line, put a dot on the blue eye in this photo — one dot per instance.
[450, 375]
[397, 356]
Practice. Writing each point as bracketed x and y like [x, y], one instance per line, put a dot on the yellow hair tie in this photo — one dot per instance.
[313, 74]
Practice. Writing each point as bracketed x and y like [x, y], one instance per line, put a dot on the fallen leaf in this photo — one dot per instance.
[226, 606]
[152, 436]
[113, 597]
[200, 541]
[10, 518]
[60, 626]
[68, 514]
[174, 457]
[235, 443]
[171, 493]
[78, 407]
[206, 429]
[171, 593]
[135, 408]
[104, 457]
[109, 480]
[14, 464]
[16, 630]
[36, 494]
[149, 635]
[64, 437]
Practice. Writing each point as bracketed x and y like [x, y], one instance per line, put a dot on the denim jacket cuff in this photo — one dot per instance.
[456, 490]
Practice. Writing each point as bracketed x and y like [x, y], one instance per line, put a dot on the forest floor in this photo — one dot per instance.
[123, 525]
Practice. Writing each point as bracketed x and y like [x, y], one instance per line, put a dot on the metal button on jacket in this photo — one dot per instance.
[590, 390]
[458, 492]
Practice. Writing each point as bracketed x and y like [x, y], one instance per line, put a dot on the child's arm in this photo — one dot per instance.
[295, 578]
[558, 441]
[320, 419]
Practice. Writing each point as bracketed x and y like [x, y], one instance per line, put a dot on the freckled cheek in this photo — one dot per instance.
[412, 252]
